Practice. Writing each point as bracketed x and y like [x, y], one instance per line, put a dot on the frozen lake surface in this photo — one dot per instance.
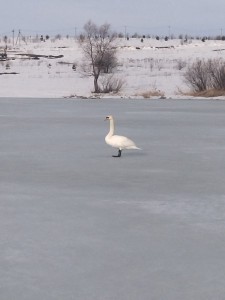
[76, 223]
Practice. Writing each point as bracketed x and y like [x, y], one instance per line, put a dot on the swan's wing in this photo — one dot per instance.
[122, 142]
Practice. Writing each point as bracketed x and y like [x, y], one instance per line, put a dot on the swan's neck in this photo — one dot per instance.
[111, 128]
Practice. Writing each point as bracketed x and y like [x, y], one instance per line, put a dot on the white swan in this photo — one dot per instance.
[118, 141]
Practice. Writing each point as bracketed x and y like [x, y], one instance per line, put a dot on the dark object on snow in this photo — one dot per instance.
[37, 56]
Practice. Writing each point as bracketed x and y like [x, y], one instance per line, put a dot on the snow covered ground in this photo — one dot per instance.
[76, 223]
[145, 66]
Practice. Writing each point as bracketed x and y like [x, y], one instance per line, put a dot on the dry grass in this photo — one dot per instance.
[210, 93]
[152, 93]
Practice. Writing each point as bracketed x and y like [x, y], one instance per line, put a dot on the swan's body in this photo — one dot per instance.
[118, 141]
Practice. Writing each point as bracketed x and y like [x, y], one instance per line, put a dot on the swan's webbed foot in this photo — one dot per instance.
[119, 154]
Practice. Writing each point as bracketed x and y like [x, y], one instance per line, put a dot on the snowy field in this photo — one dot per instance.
[150, 65]
[76, 223]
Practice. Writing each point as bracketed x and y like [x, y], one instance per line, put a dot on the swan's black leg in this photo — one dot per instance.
[119, 153]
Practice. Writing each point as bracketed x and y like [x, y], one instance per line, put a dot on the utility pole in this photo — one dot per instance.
[75, 33]
[125, 32]
[18, 38]
[13, 36]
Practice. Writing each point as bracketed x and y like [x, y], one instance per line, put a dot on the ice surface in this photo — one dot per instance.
[76, 223]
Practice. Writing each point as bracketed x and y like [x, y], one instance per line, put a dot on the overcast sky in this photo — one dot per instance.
[51, 17]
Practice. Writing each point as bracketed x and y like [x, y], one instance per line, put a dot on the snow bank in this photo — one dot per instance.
[145, 66]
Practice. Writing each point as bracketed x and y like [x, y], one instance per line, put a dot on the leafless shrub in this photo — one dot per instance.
[159, 64]
[111, 84]
[180, 64]
[151, 63]
[216, 70]
[206, 75]
[58, 37]
[196, 76]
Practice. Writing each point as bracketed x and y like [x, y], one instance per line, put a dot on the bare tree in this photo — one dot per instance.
[98, 49]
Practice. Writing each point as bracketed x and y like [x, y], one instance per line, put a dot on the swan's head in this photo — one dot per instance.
[108, 118]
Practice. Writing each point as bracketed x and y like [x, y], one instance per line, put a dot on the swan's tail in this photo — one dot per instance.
[135, 148]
